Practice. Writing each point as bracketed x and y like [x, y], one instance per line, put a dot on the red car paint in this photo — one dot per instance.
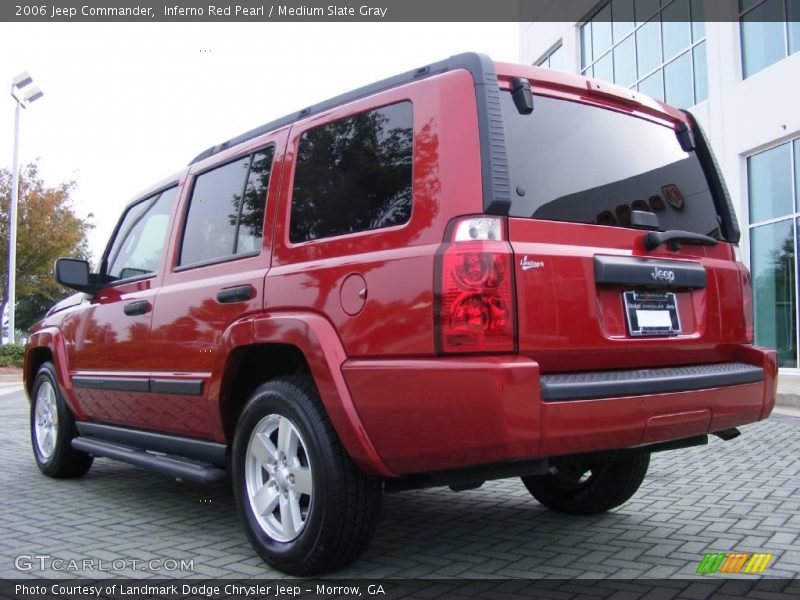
[399, 405]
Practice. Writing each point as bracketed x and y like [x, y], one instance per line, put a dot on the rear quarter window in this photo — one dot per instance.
[353, 174]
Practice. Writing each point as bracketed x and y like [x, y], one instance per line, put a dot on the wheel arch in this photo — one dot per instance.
[268, 346]
[47, 345]
[247, 367]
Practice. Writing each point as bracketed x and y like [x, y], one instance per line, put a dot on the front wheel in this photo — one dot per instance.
[52, 429]
[306, 506]
[589, 488]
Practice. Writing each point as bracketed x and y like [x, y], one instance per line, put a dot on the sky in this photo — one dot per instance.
[127, 105]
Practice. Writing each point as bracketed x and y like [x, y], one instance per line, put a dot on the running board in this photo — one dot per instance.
[181, 469]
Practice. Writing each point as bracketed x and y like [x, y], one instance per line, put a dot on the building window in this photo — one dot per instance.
[554, 59]
[770, 31]
[656, 48]
[773, 178]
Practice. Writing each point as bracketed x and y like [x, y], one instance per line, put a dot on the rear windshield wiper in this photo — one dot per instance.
[675, 237]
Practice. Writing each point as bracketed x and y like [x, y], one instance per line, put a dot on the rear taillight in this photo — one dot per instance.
[475, 308]
[747, 302]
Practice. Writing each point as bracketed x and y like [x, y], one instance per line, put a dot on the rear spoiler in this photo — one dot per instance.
[719, 191]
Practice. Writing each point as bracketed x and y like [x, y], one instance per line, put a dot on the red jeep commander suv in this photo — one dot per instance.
[470, 271]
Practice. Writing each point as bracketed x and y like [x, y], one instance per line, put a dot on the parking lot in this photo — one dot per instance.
[742, 495]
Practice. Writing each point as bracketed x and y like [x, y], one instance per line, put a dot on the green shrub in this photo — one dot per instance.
[11, 355]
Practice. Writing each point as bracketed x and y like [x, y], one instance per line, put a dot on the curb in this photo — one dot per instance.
[788, 400]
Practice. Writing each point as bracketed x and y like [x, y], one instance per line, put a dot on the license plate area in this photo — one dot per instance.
[651, 313]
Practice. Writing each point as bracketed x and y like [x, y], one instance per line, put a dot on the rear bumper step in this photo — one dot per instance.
[616, 384]
[188, 471]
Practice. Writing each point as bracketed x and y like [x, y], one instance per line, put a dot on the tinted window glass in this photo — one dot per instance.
[219, 223]
[586, 164]
[139, 244]
[211, 223]
[251, 223]
[353, 175]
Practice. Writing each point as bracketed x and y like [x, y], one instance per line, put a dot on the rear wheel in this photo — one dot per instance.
[589, 488]
[306, 506]
[53, 428]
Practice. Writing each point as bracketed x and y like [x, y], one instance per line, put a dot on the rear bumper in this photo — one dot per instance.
[426, 415]
[641, 382]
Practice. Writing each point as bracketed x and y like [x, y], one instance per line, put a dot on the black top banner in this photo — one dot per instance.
[363, 10]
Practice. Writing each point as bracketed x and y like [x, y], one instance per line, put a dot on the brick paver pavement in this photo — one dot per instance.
[741, 495]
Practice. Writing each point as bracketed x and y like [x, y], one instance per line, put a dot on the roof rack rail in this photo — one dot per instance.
[494, 163]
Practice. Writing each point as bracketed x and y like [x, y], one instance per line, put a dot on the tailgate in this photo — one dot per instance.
[571, 283]
[592, 176]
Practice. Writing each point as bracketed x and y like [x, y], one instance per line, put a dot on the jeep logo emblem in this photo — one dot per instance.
[662, 275]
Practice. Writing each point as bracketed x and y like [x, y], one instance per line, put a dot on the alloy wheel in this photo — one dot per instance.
[46, 420]
[278, 476]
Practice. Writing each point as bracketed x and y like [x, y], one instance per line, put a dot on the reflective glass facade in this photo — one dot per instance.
[656, 47]
[773, 196]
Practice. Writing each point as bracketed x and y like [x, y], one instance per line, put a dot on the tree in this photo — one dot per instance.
[47, 228]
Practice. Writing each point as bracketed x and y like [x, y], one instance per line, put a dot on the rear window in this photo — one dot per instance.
[353, 175]
[583, 164]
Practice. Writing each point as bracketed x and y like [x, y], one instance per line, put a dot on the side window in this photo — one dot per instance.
[251, 214]
[140, 239]
[354, 175]
[226, 210]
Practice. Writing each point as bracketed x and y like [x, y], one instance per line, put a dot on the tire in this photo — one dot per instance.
[316, 510]
[590, 488]
[53, 428]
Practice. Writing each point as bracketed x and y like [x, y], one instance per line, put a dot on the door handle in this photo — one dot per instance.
[139, 307]
[239, 293]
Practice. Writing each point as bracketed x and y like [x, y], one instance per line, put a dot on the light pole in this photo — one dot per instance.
[23, 94]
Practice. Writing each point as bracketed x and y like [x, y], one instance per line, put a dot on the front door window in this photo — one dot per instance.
[139, 243]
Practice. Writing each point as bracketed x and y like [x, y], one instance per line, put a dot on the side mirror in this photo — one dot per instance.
[74, 273]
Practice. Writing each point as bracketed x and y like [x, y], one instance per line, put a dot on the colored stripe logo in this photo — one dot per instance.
[734, 562]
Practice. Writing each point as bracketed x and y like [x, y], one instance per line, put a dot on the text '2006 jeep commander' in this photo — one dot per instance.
[470, 271]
